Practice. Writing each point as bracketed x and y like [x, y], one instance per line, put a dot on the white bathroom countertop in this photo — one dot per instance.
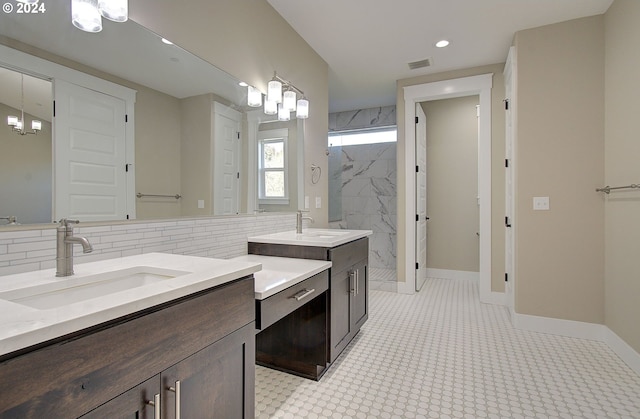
[22, 326]
[317, 237]
[280, 273]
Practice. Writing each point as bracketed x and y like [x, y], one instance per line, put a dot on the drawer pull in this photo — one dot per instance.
[303, 294]
[176, 390]
[156, 406]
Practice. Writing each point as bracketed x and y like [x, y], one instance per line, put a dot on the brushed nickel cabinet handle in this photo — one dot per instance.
[156, 405]
[303, 294]
[176, 390]
[357, 281]
[353, 281]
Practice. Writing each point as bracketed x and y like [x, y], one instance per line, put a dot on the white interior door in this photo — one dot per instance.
[509, 186]
[90, 177]
[421, 197]
[226, 160]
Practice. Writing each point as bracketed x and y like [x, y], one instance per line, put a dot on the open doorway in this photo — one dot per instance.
[474, 85]
[447, 189]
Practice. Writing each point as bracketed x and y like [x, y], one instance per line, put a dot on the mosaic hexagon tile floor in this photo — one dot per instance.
[442, 354]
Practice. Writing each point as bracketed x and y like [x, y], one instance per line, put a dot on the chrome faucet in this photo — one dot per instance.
[64, 247]
[299, 219]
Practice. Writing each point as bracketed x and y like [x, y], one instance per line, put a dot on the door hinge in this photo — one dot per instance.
[238, 135]
[126, 167]
[126, 118]
[54, 108]
[417, 119]
[506, 104]
[417, 265]
[238, 175]
[417, 217]
[506, 162]
[506, 277]
[507, 222]
[417, 169]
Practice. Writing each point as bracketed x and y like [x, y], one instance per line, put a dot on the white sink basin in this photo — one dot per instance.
[75, 289]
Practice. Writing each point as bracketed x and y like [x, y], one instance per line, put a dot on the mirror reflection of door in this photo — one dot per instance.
[25, 160]
[90, 180]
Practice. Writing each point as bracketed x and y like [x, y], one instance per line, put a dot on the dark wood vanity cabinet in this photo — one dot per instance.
[348, 285]
[194, 356]
[349, 294]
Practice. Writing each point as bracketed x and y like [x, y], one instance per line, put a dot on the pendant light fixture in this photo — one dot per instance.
[281, 103]
[17, 124]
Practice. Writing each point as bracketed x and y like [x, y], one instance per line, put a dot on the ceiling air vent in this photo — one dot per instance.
[420, 64]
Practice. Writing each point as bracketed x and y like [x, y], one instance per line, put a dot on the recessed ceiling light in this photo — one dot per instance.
[166, 41]
[442, 44]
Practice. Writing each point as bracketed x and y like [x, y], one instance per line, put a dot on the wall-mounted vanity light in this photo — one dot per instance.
[87, 14]
[17, 124]
[280, 99]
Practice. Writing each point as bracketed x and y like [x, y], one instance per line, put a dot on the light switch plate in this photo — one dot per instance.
[306, 202]
[318, 202]
[540, 203]
[200, 203]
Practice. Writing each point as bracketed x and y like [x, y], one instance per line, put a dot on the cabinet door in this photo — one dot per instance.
[340, 309]
[216, 382]
[359, 298]
[133, 404]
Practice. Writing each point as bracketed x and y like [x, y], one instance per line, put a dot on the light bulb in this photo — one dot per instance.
[274, 91]
[270, 108]
[283, 114]
[116, 10]
[254, 97]
[289, 100]
[303, 109]
[85, 15]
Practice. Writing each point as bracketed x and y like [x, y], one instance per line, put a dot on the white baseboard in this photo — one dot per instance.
[623, 350]
[581, 330]
[450, 274]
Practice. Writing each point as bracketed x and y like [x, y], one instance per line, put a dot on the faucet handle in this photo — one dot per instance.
[65, 222]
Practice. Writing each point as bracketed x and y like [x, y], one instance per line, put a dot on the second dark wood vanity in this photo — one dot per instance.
[346, 298]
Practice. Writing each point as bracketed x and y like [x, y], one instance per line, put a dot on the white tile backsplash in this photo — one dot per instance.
[35, 249]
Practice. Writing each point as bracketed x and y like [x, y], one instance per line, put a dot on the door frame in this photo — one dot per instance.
[467, 86]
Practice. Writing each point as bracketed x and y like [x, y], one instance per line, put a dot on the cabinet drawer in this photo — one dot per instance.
[342, 257]
[272, 309]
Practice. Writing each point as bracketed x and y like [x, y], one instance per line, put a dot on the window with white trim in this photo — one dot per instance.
[272, 167]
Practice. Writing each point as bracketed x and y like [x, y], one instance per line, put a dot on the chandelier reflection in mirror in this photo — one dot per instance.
[17, 124]
[280, 99]
[87, 14]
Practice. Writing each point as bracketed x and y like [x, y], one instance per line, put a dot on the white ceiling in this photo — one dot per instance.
[369, 43]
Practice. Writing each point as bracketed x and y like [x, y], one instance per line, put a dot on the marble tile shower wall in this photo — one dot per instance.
[226, 237]
[369, 193]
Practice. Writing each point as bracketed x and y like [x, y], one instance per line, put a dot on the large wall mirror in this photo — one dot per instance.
[181, 107]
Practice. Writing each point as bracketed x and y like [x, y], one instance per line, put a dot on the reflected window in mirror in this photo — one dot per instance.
[273, 167]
